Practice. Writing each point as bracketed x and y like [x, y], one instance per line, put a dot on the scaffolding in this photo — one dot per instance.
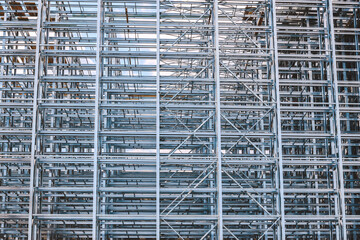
[180, 119]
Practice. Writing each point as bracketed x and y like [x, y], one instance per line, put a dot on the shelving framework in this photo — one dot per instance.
[179, 119]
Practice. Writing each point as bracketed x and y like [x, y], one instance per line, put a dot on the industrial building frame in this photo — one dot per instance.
[180, 119]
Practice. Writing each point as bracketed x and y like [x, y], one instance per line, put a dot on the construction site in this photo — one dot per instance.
[180, 119]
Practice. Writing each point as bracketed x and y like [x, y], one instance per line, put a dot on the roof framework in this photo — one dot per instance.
[167, 119]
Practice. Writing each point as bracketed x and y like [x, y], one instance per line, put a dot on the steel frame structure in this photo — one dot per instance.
[179, 119]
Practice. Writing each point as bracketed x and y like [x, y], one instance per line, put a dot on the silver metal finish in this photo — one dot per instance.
[167, 119]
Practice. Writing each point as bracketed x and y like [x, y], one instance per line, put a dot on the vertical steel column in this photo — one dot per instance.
[218, 121]
[97, 118]
[337, 119]
[158, 119]
[35, 117]
[278, 119]
[2, 60]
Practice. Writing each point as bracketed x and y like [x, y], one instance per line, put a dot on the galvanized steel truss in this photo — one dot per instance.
[168, 119]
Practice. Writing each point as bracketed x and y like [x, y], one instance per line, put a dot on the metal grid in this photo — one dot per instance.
[167, 119]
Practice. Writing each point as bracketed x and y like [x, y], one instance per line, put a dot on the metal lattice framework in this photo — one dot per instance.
[180, 119]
